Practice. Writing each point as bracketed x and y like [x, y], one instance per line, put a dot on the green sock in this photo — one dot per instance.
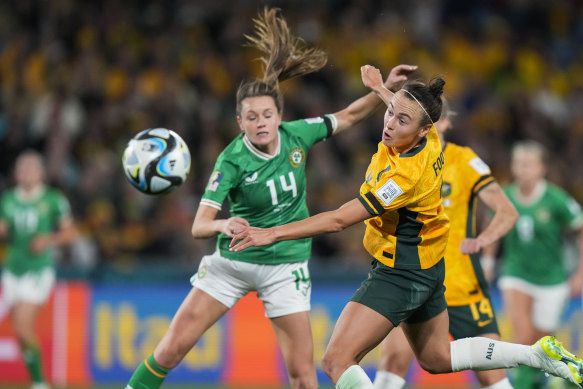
[526, 377]
[31, 356]
[149, 375]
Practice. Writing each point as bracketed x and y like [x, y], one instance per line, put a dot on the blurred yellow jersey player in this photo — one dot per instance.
[400, 189]
[463, 179]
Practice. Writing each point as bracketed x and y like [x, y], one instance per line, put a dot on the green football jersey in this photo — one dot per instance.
[267, 190]
[26, 219]
[533, 249]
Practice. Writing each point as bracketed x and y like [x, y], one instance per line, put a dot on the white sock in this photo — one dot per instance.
[354, 378]
[504, 383]
[487, 354]
[388, 380]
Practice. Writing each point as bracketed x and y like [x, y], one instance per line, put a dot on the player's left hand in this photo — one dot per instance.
[39, 243]
[251, 236]
[398, 75]
[471, 246]
[371, 77]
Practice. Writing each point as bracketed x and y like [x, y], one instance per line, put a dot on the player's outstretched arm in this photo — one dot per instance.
[206, 225]
[364, 106]
[348, 214]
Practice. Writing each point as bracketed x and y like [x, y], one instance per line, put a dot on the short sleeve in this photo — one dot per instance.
[391, 192]
[62, 207]
[570, 210]
[478, 172]
[312, 130]
[222, 179]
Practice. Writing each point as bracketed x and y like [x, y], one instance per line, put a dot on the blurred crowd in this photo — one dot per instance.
[79, 79]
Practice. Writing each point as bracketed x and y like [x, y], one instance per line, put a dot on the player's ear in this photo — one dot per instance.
[423, 131]
[240, 123]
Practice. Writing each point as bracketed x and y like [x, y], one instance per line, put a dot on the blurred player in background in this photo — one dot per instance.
[535, 280]
[34, 218]
[262, 174]
[406, 233]
[465, 179]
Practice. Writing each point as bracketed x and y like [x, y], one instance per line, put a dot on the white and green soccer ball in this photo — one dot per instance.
[156, 161]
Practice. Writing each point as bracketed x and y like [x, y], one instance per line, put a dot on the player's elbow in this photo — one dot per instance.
[196, 231]
[337, 223]
[512, 215]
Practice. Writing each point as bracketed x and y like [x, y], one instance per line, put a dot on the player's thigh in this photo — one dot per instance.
[357, 331]
[518, 301]
[195, 315]
[474, 319]
[33, 287]
[284, 288]
[430, 342]
[294, 334]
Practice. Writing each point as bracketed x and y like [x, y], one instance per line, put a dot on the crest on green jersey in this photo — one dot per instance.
[297, 156]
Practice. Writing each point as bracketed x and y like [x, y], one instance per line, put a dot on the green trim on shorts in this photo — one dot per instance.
[409, 295]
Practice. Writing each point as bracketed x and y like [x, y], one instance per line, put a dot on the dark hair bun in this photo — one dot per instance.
[436, 87]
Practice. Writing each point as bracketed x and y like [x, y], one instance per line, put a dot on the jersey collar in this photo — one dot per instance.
[534, 197]
[29, 196]
[260, 153]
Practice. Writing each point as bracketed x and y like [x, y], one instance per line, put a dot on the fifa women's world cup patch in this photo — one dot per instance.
[480, 166]
[214, 181]
[297, 156]
[388, 192]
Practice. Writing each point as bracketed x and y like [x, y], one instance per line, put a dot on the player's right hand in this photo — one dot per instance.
[234, 225]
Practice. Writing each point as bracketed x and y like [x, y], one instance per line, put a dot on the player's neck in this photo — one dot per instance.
[531, 192]
[29, 193]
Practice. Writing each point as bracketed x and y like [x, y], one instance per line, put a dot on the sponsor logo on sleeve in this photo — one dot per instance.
[480, 166]
[214, 181]
[389, 192]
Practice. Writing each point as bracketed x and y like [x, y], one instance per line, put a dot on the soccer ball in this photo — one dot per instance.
[156, 161]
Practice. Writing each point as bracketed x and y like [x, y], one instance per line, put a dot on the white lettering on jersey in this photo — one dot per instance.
[480, 166]
[388, 192]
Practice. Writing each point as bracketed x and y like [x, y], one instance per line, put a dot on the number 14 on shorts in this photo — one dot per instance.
[301, 280]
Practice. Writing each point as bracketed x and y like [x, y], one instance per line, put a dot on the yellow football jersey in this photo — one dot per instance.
[465, 175]
[403, 191]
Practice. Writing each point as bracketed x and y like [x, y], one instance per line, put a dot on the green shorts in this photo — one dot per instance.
[472, 320]
[411, 296]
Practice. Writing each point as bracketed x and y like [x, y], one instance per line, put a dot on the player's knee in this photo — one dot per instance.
[329, 363]
[397, 365]
[169, 357]
[436, 363]
[303, 379]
